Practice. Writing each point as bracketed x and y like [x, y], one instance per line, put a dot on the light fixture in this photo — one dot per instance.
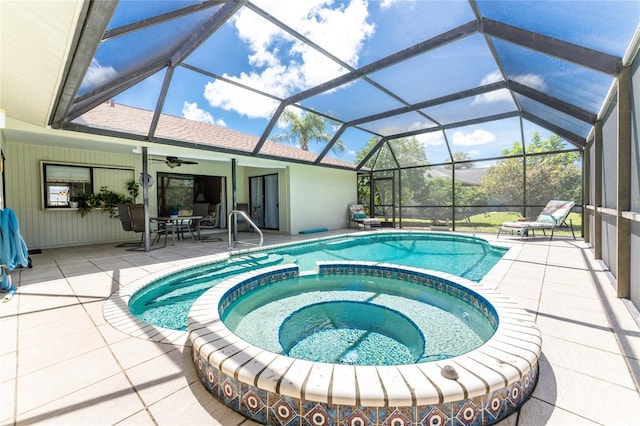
[2, 118]
[149, 180]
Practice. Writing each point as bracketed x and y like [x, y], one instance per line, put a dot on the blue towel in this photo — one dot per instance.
[13, 250]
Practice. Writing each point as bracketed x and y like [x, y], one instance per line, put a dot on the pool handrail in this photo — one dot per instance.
[233, 213]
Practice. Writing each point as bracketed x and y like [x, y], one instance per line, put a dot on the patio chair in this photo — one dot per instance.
[553, 216]
[358, 217]
[125, 219]
[210, 220]
[136, 213]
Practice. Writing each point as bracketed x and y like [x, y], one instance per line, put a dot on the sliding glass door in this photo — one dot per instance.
[264, 207]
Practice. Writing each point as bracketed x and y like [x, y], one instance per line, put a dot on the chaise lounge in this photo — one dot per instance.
[553, 216]
[358, 217]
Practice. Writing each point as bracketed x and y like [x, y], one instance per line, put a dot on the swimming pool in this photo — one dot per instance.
[166, 301]
[482, 386]
[358, 319]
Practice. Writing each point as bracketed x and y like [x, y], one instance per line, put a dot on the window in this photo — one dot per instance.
[62, 182]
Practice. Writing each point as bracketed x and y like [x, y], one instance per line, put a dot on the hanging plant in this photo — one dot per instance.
[106, 200]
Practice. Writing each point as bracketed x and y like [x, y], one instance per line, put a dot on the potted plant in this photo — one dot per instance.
[174, 210]
[74, 201]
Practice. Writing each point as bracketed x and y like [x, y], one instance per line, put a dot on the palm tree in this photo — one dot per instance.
[305, 128]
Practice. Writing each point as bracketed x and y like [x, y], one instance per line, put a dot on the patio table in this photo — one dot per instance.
[174, 222]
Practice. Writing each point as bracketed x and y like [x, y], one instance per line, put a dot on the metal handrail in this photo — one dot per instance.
[253, 225]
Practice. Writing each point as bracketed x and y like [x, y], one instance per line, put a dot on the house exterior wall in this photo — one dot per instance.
[42, 228]
[309, 196]
[321, 197]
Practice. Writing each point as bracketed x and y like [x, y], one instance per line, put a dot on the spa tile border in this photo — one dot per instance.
[494, 380]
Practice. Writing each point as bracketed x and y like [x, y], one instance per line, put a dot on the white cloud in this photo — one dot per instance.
[244, 102]
[495, 96]
[192, 112]
[385, 4]
[531, 80]
[97, 75]
[431, 138]
[501, 95]
[340, 30]
[477, 137]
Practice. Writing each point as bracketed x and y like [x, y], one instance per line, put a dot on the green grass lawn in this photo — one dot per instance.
[490, 222]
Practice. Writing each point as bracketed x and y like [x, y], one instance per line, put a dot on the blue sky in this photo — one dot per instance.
[250, 50]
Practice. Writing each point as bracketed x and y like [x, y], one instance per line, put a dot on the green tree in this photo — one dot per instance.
[469, 196]
[549, 176]
[307, 128]
[405, 151]
[457, 158]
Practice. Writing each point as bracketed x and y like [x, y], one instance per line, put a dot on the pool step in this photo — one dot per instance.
[235, 265]
[186, 287]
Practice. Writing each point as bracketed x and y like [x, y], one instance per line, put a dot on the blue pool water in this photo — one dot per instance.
[166, 302]
[357, 320]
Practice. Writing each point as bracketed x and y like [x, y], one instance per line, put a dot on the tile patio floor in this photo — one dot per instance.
[63, 364]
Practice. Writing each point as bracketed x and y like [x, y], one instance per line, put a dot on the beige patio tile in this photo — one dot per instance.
[134, 351]
[7, 402]
[38, 274]
[111, 334]
[94, 309]
[563, 308]
[41, 355]
[551, 296]
[584, 333]
[57, 381]
[181, 408]
[78, 269]
[561, 274]
[581, 289]
[509, 421]
[141, 418]
[8, 328]
[160, 377]
[51, 331]
[105, 402]
[591, 397]
[50, 295]
[8, 361]
[536, 412]
[587, 360]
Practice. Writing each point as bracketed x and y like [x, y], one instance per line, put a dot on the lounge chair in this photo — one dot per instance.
[553, 216]
[358, 217]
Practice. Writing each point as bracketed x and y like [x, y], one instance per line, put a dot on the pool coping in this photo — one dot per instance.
[116, 308]
[507, 357]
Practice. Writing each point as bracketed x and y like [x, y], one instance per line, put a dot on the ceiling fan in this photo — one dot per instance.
[176, 162]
